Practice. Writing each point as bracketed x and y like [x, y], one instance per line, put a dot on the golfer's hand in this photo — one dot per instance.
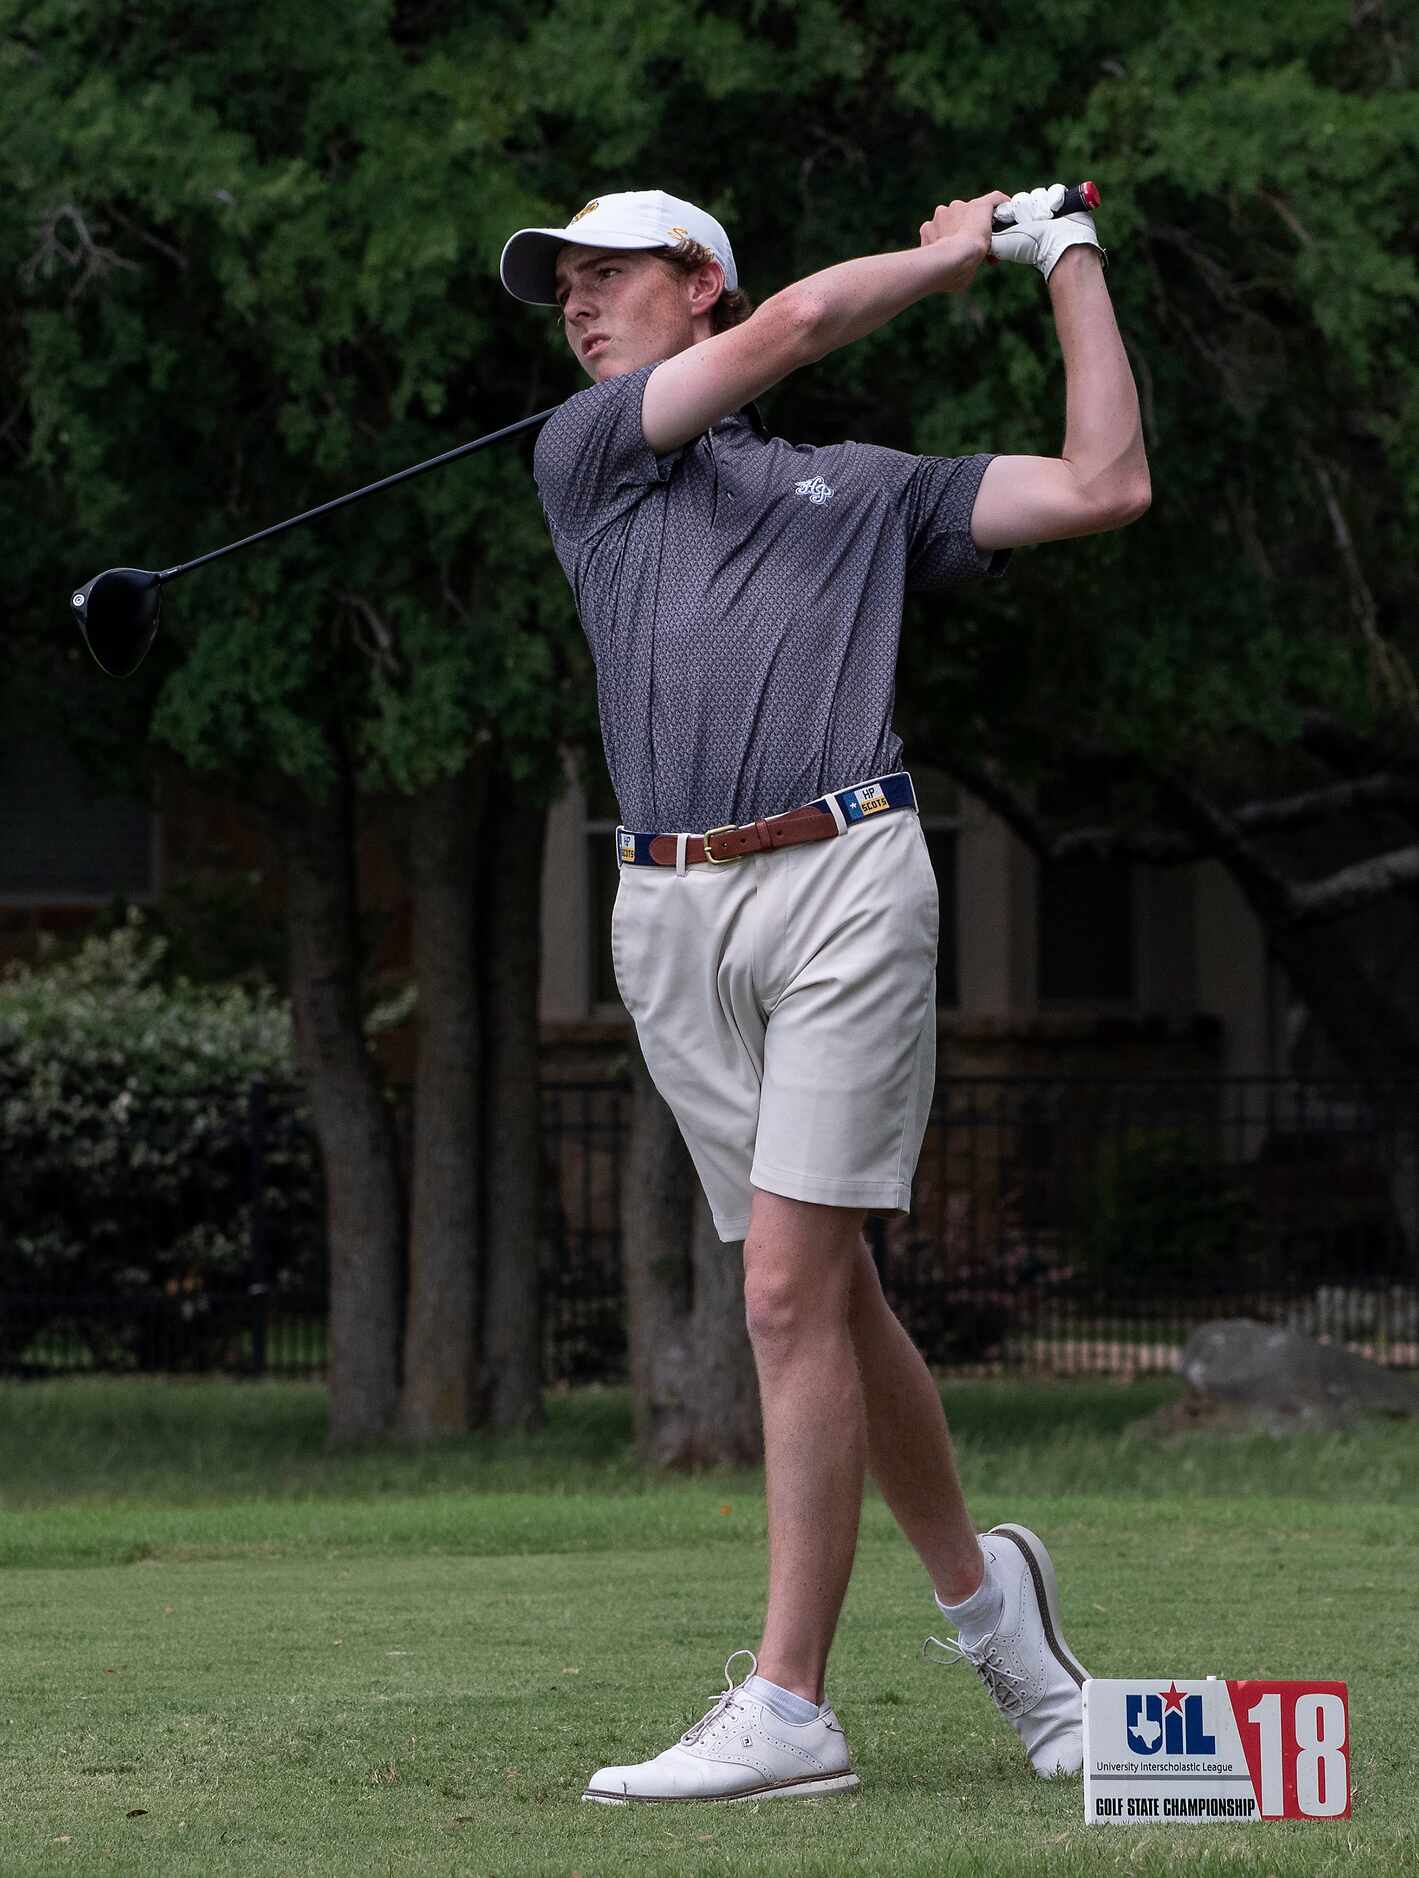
[1037, 239]
[959, 222]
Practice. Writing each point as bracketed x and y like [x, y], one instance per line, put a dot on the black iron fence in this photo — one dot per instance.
[1060, 1224]
[182, 1232]
[1076, 1224]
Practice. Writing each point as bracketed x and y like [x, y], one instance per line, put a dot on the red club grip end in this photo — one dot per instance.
[1089, 195]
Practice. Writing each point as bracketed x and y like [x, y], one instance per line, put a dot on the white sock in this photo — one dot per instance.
[976, 1616]
[784, 1703]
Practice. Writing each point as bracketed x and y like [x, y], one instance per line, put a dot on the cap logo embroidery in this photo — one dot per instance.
[816, 490]
[595, 204]
[680, 234]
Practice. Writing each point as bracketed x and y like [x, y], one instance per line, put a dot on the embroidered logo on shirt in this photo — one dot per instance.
[816, 490]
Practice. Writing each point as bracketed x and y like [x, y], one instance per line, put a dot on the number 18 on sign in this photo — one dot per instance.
[1231, 1751]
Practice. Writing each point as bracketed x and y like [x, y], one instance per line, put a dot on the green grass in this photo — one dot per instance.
[227, 1652]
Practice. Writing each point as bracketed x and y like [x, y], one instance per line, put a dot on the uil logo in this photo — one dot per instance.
[1170, 1723]
[595, 203]
[816, 490]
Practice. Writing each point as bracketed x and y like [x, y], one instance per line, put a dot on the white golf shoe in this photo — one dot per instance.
[1032, 1676]
[740, 1750]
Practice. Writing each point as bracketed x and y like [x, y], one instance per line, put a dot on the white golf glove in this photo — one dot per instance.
[1037, 238]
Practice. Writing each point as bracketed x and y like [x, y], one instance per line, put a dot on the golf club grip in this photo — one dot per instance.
[1077, 197]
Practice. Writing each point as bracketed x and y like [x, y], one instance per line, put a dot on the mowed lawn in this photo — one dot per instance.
[227, 1652]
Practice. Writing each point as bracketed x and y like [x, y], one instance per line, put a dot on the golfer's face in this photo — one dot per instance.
[620, 310]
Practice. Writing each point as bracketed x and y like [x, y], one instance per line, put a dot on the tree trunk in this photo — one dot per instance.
[1370, 1031]
[1373, 1035]
[693, 1394]
[364, 1209]
[514, 1180]
[440, 1353]
[723, 1388]
[655, 1267]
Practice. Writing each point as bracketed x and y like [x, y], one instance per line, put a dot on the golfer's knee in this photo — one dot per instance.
[798, 1269]
[777, 1307]
[786, 1303]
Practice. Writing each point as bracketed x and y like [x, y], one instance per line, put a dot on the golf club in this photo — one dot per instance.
[118, 611]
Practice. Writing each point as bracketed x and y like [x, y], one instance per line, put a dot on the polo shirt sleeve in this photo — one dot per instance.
[592, 462]
[939, 497]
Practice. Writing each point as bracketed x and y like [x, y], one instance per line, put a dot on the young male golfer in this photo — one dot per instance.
[775, 925]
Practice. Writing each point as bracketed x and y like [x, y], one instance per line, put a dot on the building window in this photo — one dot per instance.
[1087, 918]
[63, 842]
[1086, 922]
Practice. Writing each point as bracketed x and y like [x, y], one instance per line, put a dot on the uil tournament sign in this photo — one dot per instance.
[1214, 1751]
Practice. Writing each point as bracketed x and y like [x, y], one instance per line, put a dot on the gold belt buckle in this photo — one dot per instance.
[720, 860]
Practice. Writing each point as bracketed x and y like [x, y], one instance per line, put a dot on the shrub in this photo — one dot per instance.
[963, 1295]
[1157, 1216]
[126, 1185]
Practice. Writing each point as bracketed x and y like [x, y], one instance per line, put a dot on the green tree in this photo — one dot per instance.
[257, 275]
[259, 270]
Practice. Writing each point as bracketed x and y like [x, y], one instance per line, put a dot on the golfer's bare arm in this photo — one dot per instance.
[1100, 478]
[804, 322]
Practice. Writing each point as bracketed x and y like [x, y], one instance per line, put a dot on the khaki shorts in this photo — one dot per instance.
[786, 1008]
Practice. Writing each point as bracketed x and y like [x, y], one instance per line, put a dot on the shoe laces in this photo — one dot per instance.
[721, 1702]
[1005, 1685]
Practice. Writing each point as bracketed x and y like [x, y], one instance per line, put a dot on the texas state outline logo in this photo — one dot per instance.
[1167, 1723]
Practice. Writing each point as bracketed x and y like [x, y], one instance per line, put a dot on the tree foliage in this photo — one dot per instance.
[254, 277]
[257, 266]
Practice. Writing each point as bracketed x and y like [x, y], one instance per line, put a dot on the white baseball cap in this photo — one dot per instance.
[637, 218]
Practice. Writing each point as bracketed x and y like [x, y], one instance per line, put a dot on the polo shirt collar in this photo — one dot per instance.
[749, 414]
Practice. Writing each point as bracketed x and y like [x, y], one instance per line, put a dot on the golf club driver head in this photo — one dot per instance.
[118, 615]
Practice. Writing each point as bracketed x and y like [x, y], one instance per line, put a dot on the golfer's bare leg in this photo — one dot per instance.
[799, 1266]
[908, 1447]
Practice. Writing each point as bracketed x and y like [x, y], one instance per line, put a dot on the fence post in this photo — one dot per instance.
[258, 1246]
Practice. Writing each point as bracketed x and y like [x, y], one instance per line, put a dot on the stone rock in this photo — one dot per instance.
[1243, 1376]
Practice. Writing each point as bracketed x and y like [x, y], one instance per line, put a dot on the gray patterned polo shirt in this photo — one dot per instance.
[742, 597]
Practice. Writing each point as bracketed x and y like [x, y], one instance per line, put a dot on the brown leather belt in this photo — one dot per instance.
[814, 821]
[731, 843]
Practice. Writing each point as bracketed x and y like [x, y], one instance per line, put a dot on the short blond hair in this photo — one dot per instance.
[733, 306]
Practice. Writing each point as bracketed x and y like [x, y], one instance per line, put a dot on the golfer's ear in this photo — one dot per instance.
[706, 285]
[705, 382]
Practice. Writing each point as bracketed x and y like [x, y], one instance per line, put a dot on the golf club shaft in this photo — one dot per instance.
[357, 495]
[1077, 196]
